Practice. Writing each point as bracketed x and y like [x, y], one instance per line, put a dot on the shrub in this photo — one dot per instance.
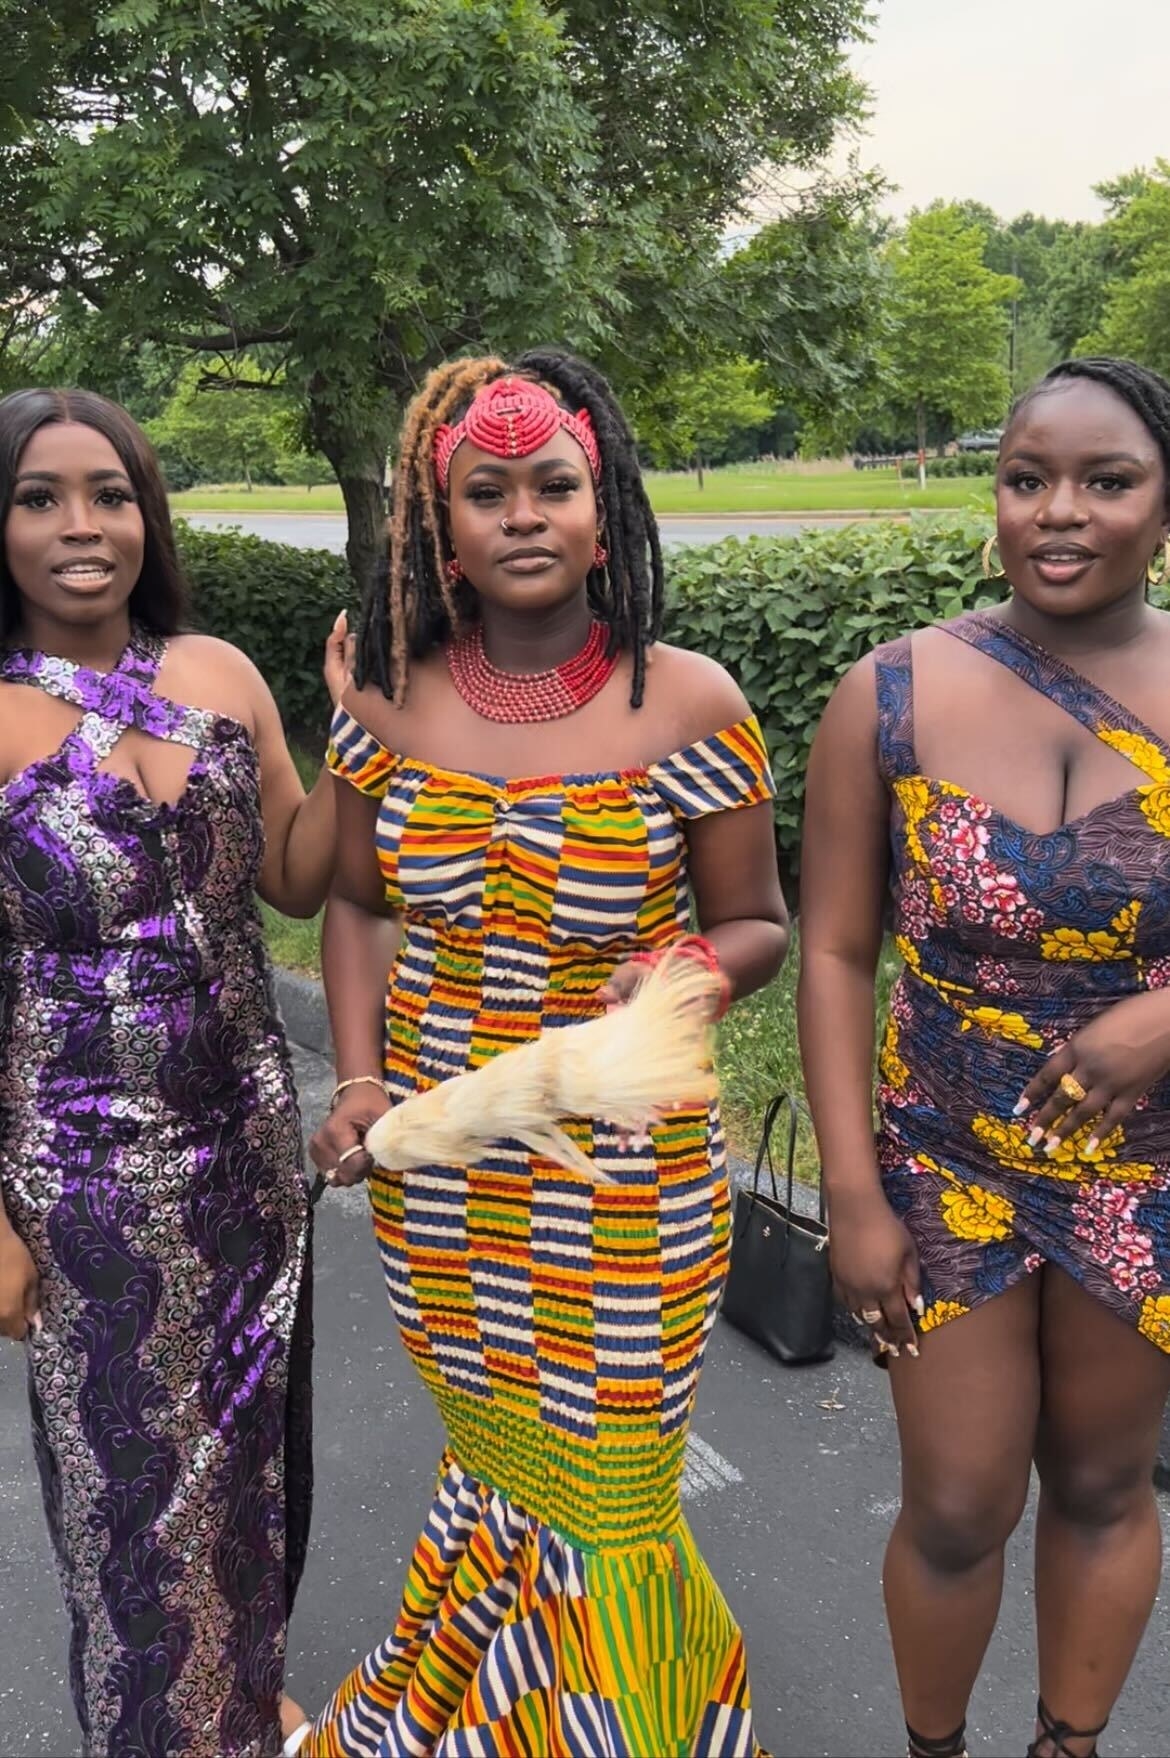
[963, 464]
[786, 616]
[275, 601]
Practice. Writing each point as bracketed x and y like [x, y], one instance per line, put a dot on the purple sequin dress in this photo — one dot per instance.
[150, 1158]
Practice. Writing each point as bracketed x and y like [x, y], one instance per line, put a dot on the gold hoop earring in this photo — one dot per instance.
[990, 573]
[1158, 569]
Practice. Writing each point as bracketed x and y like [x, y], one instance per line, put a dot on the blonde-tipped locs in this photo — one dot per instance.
[418, 543]
[414, 606]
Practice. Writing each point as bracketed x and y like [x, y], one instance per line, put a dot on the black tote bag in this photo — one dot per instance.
[779, 1288]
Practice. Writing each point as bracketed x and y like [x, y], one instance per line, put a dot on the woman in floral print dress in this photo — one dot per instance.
[1009, 1237]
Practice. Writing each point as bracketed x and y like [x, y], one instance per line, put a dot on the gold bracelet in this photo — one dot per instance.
[357, 1080]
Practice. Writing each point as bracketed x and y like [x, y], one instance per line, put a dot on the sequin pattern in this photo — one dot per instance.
[150, 1159]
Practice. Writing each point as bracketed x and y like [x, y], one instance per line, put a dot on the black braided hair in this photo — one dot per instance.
[1146, 392]
[412, 607]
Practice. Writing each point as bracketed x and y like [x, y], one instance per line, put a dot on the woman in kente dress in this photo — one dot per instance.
[1007, 776]
[536, 788]
[153, 1231]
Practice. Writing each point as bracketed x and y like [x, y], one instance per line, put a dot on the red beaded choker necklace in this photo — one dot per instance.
[523, 697]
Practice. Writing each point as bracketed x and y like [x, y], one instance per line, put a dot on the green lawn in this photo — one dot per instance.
[739, 489]
[781, 491]
[758, 1052]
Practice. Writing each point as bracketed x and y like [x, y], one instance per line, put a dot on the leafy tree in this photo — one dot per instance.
[1135, 315]
[944, 354]
[365, 188]
[226, 428]
[1076, 286]
[808, 291]
[694, 414]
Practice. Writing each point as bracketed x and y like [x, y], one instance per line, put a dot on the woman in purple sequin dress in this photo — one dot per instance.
[153, 1235]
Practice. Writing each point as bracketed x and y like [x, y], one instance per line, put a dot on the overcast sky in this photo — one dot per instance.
[1018, 103]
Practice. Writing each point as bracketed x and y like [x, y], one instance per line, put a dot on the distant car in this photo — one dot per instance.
[982, 439]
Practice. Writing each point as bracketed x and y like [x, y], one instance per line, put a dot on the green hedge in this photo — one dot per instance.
[963, 464]
[275, 601]
[785, 615]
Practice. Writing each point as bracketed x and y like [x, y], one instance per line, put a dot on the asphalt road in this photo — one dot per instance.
[790, 1488]
[327, 530]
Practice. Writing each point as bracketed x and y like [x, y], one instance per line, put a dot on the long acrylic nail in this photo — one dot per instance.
[1092, 1146]
[1051, 1145]
[912, 1349]
[37, 1323]
[919, 1305]
[1020, 1107]
[1036, 1137]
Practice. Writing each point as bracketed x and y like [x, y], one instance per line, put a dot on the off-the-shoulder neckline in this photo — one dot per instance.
[579, 778]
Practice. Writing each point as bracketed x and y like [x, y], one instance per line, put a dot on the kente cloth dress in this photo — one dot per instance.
[556, 1602]
[150, 1159]
[1012, 942]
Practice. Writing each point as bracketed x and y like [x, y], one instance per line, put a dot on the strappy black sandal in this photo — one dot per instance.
[954, 1746]
[1058, 1732]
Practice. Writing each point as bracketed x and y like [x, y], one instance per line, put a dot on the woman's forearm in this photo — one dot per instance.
[357, 951]
[835, 1014]
[309, 850]
[750, 953]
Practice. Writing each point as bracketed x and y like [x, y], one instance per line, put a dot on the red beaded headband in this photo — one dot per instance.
[512, 418]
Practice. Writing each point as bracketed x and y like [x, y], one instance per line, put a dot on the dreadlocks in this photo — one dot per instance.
[1146, 392]
[413, 605]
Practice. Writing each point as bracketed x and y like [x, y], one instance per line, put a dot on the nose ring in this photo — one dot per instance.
[505, 527]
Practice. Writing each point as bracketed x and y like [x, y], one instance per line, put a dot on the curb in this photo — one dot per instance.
[301, 1003]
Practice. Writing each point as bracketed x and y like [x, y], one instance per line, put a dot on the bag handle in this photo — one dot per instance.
[783, 1101]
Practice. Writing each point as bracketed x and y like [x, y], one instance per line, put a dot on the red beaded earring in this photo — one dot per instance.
[600, 554]
[454, 570]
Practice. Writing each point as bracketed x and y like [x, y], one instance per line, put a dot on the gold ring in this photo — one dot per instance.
[1072, 1089]
[349, 1153]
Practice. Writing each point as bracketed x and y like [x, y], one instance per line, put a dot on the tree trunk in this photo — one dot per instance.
[365, 543]
[358, 457]
[921, 442]
[699, 468]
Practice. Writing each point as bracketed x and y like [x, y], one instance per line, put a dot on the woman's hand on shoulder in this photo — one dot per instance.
[337, 665]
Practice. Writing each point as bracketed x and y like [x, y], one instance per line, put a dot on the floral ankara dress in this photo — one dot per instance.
[556, 1602]
[150, 1159]
[1012, 942]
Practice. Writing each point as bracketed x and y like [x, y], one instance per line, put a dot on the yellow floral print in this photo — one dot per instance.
[1155, 805]
[913, 795]
[1008, 1143]
[909, 954]
[940, 1313]
[1154, 1322]
[1141, 752]
[971, 1212]
[1012, 1027]
[1069, 944]
[894, 1070]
